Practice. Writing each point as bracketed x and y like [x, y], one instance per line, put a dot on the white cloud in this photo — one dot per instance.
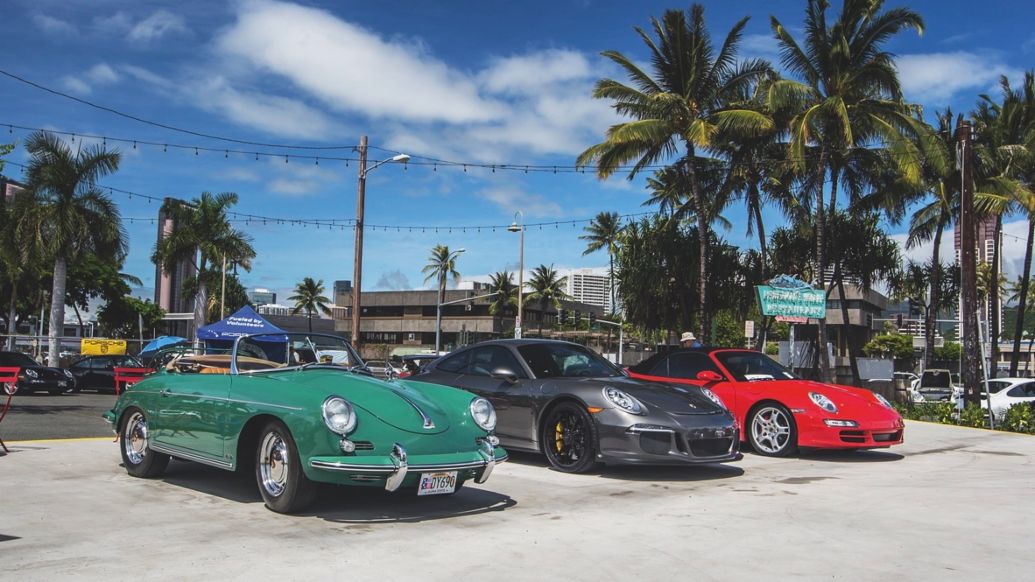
[351, 68]
[159, 24]
[934, 78]
[760, 46]
[76, 85]
[512, 199]
[99, 74]
[51, 25]
[527, 74]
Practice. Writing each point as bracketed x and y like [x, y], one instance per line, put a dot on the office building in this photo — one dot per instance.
[260, 296]
[589, 286]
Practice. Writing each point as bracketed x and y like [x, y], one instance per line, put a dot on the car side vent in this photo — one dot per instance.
[363, 445]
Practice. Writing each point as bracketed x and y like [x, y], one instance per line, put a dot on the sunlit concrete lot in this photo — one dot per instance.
[939, 507]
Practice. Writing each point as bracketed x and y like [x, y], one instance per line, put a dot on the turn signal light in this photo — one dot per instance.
[594, 409]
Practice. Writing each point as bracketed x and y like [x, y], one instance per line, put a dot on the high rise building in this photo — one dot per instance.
[9, 187]
[169, 284]
[590, 286]
[260, 296]
[985, 240]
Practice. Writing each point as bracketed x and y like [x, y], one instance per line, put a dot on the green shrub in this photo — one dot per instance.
[973, 416]
[772, 349]
[1018, 418]
[943, 412]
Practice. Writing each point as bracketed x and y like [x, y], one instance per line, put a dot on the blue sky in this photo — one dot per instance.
[476, 82]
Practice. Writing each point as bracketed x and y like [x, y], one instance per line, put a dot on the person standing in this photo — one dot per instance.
[689, 341]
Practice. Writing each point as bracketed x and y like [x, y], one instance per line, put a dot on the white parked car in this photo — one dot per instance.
[1005, 392]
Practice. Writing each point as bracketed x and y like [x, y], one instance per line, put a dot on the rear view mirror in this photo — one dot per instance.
[505, 374]
[709, 376]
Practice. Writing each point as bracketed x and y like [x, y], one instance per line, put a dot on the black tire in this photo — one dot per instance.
[137, 456]
[569, 438]
[771, 430]
[278, 471]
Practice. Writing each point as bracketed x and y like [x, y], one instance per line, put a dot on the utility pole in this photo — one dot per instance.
[357, 261]
[222, 293]
[972, 354]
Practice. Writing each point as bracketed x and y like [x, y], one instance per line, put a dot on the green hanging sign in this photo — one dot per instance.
[791, 297]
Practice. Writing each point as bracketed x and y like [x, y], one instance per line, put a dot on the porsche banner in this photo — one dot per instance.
[90, 346]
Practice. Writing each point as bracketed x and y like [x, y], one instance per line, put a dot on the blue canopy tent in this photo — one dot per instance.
[161, 342]
[245, 321]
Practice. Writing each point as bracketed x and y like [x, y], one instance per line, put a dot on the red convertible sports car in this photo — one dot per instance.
[778, 410]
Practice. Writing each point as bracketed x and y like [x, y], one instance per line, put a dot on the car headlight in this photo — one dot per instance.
[883, 400]
[714, 398]
[32, 373]
[338, 415]
[483, 413]
[823, 402]
[622, 400]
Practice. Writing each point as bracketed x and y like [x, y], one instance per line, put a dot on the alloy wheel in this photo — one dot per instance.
[771, 430]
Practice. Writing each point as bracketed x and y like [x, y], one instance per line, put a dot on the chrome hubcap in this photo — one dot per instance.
[771, 430]
[134, 441]
[273, 463]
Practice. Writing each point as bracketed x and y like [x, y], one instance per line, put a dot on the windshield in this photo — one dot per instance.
[566, 361]
[753, 367]
[16, 359]
[293, 350]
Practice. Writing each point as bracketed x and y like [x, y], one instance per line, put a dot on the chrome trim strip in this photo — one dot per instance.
[385, 469]
[398, 458]
[175, 452]
[264, 404]
[638, 429]
[428, 423]
[488, 452]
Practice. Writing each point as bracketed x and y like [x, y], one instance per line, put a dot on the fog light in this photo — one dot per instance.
[493, 440]
[840, 423]
[348, 446]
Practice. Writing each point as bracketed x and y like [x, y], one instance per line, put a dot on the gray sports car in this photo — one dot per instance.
[578, 409]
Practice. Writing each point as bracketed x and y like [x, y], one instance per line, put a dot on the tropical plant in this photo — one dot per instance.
[309, 297]
[604, 232]
[19, 254]
[204, 237]
[123, 317]
[504, 298]
[441, 266]
[897, 346]
[684, 105]
[547, 289]
[851, 110]
[72, 215]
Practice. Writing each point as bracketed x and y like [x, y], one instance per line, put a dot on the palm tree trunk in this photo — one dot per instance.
[1018, 327]
[993, 300]
[200, 306]
[57, 310]
[79, 317]
[821, 266]
[703, 318]
[852, 361]
[12, 314]
[611, 278]
[763, 252]
[309, 316]
[935, 298]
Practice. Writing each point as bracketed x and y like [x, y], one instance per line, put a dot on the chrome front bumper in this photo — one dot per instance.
[400, 467]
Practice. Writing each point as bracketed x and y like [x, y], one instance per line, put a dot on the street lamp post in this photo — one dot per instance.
[357, 262]
[520, 228]
[441, 298]
[454, 302]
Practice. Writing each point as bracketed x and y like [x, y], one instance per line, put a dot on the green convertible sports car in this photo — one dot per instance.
[301, 409]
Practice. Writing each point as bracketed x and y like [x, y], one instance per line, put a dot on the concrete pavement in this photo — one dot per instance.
[950, 504]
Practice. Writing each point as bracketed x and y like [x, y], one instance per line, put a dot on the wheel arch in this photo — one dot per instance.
[759, 404]
[248, 439]
[546, 408]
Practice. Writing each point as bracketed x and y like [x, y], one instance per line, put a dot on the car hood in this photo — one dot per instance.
[396, 404]
[46, 373]
[843, 396]
[667, 398]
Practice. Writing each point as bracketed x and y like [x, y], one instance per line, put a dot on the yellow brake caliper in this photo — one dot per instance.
[558, 437]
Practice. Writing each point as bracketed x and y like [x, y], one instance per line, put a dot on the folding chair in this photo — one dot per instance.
[8, 376]
[129, 376]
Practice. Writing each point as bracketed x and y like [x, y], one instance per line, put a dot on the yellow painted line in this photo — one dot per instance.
[68, 440]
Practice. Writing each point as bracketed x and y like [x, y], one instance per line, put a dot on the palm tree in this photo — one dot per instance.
[309, 296]
[548, 288]
[502, 285]
[604, 232]
[19, 253]
[681, 107]
[203, 236]
[441, 266]
[849, 100]
[72, 216]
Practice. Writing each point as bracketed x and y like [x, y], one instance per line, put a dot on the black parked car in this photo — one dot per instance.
[98, 372]
[36, 378]
[578, 409]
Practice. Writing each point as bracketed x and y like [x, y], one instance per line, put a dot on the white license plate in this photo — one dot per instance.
[437, 483]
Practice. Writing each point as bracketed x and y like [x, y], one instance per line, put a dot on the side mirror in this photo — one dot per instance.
[709, 376]
[505, 374]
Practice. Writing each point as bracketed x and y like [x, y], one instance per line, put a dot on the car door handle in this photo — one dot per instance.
[163, 392]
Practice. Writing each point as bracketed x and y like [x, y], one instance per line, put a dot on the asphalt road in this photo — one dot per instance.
[944, 506]
[70, 415]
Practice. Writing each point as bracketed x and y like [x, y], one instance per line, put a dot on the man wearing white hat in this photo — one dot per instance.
[689, 341]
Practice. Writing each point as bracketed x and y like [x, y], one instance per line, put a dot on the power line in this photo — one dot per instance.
[164, 125]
